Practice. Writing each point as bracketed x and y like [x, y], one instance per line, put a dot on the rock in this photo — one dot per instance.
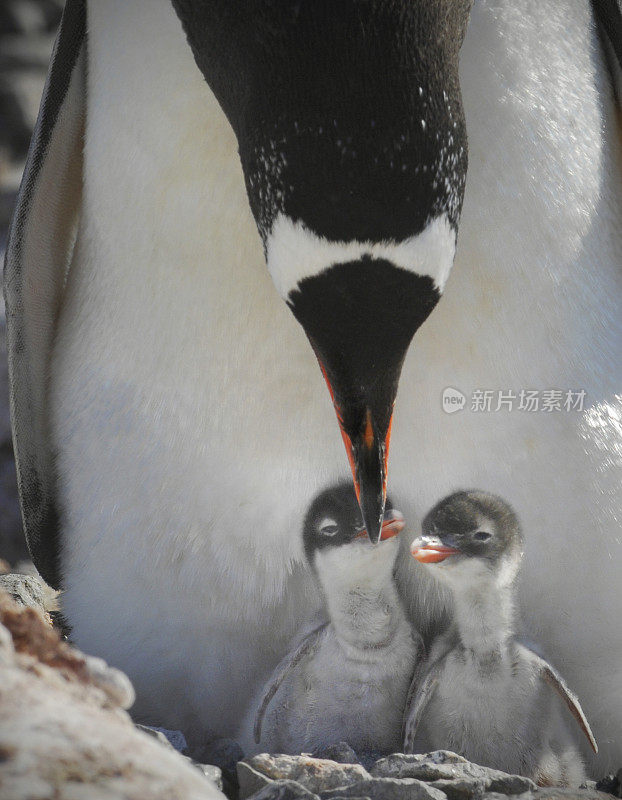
[452, 774]
[369, 757]
[176, 741]
[250, 781]
[224, 754]
[26, 587]
[284, 790]
[341, 752]
[114, 683]
[611, 784]
[437, 764]
[386, 789]
[315, 774]
[440, 775]
[25, 590]
[155, 733]
[173, 739]
[75, 740]
[555, 793]
[210, 771]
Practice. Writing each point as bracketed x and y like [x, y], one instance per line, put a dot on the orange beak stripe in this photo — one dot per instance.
[368, 435]
[433, 554]
[368, 438]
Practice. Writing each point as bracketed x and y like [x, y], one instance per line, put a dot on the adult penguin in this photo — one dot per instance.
[169, 418]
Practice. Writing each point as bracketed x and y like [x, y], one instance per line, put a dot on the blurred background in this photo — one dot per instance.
[27, 31]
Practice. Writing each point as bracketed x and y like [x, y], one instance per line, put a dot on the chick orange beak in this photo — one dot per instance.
[392, 524]
[431, 551]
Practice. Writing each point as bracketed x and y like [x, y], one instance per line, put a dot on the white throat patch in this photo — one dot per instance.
[293, 252]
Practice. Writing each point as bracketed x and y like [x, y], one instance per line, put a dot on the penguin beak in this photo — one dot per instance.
[368, 455]
[392, 524]
[368, 452]
[430, 550]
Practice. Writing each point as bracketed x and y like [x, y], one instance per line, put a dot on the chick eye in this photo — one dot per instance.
[328, 527]
[482, 536]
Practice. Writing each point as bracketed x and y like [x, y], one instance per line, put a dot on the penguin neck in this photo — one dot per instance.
[484, 618]
[364, 608]
[365, 618]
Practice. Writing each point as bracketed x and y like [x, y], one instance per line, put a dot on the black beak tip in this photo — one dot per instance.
[373, 514]
[370, 475]
[374, 536]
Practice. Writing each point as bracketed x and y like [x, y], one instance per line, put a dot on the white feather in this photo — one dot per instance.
[353, 685]
[190, 419]
[294, 253]
[489, 701]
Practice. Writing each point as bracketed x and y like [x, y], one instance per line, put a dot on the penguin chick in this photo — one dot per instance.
[349, 678]
[481, 692]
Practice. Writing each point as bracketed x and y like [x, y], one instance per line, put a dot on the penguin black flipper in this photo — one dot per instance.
[608, 14]
[306, 648]
[38, 252]
[420, 693]
[551, 676]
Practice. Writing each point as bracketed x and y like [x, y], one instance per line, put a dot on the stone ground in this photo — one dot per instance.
[65, 735]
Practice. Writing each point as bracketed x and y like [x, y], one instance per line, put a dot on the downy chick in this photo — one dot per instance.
[349, 678]
[481, 692]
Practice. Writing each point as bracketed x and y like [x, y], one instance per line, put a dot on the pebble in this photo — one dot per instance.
[315, 774]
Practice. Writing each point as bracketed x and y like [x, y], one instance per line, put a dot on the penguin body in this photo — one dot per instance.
[482, 693]
[159, 382]
[349, 678]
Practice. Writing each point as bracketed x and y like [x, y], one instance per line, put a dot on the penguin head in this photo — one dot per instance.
[353, 146]
[335, 540]
[471, 535]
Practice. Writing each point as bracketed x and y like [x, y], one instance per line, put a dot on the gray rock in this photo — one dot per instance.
[611, 784]
[452, 774]
[369, 757]
[75, 741]
[555, 793]
[250, 781]
[174, 739]
[440, 775]
[387, 789]
[284, 790]
[25, 590]
[224, 754]
[341, 752]
[156, 733]
[460, 789]
[509, 784]
[213, 773]
[497, 796]
[315, 774]
[425, 766]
